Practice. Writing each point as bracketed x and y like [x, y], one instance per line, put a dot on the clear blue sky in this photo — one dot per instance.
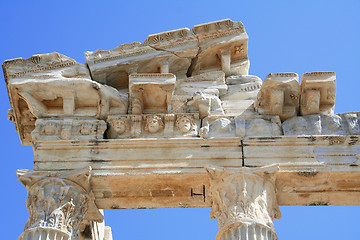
[285, 36]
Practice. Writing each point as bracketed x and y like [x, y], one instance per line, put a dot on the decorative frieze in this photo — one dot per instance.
[244, 202]
[68, 129]
[323, 124]
[240, 126]
[58, 202]
[153, 125]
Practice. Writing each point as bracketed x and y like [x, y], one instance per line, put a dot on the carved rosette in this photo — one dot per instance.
[57, 204]
[244, 202]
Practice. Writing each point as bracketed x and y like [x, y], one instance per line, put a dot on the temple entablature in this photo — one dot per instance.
[180, 83]
[177, 121]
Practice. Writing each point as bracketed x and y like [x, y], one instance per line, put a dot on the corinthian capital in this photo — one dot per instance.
[57, 203]
[244, 200]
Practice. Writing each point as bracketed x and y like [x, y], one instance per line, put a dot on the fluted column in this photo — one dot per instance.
[244, 202]
[57, 202]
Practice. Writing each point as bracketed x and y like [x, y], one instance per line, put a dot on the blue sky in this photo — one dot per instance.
[293, 36]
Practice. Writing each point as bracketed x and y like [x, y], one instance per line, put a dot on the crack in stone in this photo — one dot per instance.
[194, 59]
[164, 50]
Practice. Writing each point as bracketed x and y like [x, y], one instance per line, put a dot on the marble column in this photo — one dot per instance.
[244, 202]
[58, 202]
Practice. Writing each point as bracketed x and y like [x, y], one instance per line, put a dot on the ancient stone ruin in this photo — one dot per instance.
[176, 121]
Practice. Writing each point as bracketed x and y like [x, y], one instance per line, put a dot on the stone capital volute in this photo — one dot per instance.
[243, 196]
[58, 202]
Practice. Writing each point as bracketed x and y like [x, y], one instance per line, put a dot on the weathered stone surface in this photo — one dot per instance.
[151, 93]
[181, 42]
[203, 82]
[318, 91]
[150, 118]
[53, 85]
[206, 103]
[240, 126]
[223, 46]
[306, 125]
[167, 52]
[68, 129]
[279, 95]
[242, 87]
[161, 125]
[244, 202]
[323, 124]
[57, 203]
[91, 230]
[242, 91]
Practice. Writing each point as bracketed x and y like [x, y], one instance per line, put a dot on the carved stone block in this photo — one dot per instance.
[58, 202]
[181, 42]
[306, 125]
[223, 46]
[167, 52]
[214, 80]
[332, 124]
[323, 124]
[151, 93]
[244, 202]
[68, 129]
[240, 126]
[53, 85]
[279, 95]
[149, 125]
[353, 122]
[206, 103]
[318, 91]
[264, 126]
[242, 87]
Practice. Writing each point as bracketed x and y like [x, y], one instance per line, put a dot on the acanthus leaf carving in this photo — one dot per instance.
[243, 196]
[58, 202]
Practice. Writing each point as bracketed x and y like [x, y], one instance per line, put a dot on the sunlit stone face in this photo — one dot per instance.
[119, 126]
[184, 124]
[50, 129]
[154, 124]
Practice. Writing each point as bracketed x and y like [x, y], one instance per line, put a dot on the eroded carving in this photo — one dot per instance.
[318, 91]
[153, 124]
[244, 200]
[223, 46]
[279, 95]
[206, 104]
[241, 126]
[186, 125]
[150, 125]
[68, 129]
[322, 124]
[151, 93]
[58, 202]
